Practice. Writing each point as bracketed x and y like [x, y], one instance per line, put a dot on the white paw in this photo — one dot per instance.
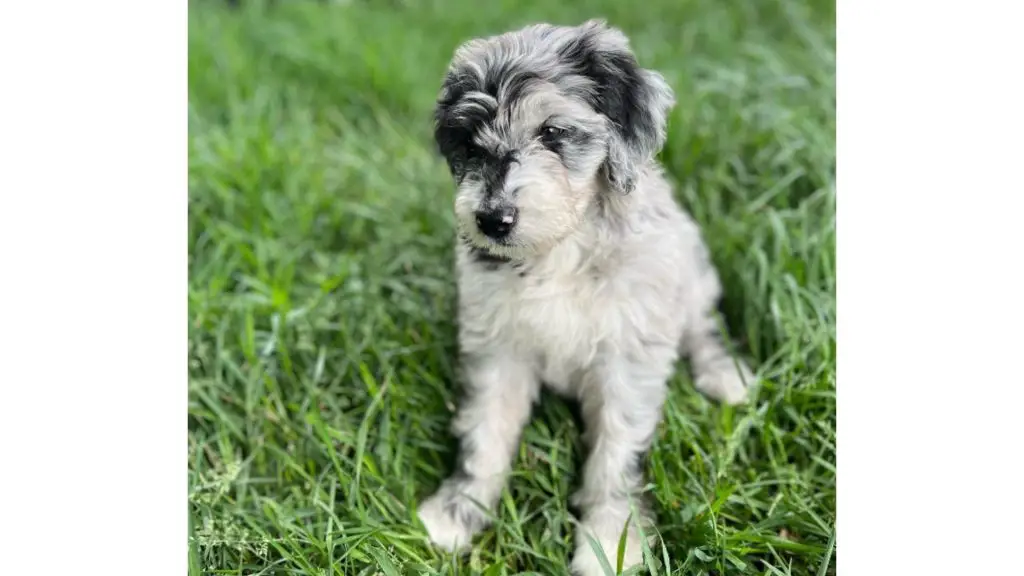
[724, 382]
[445, 529]
[585, 561]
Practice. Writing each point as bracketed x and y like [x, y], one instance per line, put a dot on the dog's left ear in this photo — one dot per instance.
[635, 101]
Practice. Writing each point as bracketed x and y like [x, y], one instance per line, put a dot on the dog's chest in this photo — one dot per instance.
[563, 312]
[559, 321]
[558, 314]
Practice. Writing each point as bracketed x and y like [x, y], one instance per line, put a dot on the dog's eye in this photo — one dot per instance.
[473, 151]
[550, 134]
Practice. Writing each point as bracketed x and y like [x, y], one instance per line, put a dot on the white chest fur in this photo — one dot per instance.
[561, 312]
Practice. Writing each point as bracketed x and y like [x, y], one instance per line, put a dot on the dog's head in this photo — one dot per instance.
[535, 123]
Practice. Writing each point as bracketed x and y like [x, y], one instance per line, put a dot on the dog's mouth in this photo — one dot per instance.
[485, 255]
[503, 250]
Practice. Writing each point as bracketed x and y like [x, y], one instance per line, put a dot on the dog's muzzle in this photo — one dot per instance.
[496, 223]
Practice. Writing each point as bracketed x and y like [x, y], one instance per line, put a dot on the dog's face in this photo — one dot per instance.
[534, 124]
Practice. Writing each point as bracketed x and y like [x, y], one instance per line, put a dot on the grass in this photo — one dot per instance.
[321, 335]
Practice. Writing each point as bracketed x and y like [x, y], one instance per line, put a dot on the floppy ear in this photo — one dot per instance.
[635, 101]
[450, 130]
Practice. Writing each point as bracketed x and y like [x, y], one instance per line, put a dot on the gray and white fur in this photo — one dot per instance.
[576, 270]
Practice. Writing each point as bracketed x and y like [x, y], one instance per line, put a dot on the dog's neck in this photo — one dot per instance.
[617, 210]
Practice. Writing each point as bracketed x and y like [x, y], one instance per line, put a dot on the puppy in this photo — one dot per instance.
[576, 269]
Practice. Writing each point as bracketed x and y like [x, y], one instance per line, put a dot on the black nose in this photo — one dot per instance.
[496, 223]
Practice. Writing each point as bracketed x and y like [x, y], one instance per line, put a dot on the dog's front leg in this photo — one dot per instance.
[500, 391]
[621, 401]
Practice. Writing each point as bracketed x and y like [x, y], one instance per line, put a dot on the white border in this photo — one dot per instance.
[931, 199]
[93, 280]
[93, 285]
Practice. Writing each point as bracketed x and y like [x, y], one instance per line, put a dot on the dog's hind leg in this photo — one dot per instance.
[716, 373]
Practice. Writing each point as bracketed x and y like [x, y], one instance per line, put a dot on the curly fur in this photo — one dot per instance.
[601, 284]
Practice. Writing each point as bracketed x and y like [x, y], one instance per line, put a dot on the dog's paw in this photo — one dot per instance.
[725, 381]
[450, 520]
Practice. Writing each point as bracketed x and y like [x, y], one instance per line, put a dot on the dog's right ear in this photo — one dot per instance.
[461, 109]
[635, 101]
[449, 133]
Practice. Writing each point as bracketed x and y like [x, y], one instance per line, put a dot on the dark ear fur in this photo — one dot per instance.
[635, 101]
[453, 130]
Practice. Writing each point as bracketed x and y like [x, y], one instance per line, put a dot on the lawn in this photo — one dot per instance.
[321, 296]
